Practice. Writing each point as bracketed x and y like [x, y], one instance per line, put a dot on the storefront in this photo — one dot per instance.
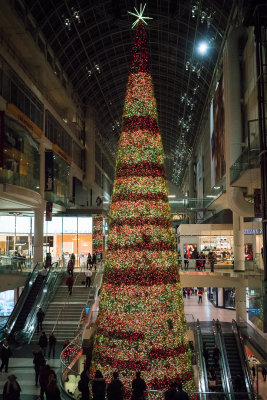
[62, 235]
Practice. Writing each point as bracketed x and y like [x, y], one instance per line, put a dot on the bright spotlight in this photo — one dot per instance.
[202, 48]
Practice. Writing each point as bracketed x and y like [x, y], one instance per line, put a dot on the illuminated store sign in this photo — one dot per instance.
[253, 231]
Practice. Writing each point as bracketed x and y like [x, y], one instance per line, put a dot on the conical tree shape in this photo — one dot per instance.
[141, 323]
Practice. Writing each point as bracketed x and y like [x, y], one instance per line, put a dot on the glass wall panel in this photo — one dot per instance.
[21, 158]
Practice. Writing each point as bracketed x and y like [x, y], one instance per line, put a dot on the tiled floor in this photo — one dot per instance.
[206, 312]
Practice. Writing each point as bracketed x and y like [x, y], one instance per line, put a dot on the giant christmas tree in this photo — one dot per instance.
[141, 323]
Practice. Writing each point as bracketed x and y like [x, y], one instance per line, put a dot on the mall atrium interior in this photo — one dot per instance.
[137, 134]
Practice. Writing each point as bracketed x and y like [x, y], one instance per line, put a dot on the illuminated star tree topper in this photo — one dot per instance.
[139, 15]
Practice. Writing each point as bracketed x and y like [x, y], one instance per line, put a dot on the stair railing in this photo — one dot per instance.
[225, 370]
[6, 330]
[243, 359]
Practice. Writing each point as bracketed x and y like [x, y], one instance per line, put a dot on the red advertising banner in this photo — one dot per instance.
[48, 211]
[2, 136]
[257, 203]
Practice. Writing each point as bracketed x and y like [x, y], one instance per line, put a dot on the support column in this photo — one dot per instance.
[38, 234]
[191, 214]
[238, 231]
[240, 304]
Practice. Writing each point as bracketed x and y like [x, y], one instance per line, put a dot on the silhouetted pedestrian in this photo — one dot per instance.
[44, 374]
[181, 394]
[99, 386]
[5, 355]
[69, 283]
[206, 354]
[264, 372]
[139, 387]
[38, 361]
[253, 372]
[115, 388]
[88, 276]
[11, 389]
[171, 392]
[52, 391]
[216, 355]
[83, 385]
[40, 317]
[51, 344]
[43, 342]
[238, 383]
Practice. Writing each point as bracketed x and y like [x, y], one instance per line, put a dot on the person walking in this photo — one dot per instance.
[206, 354]
[99, 386]
[38, 362]
[43, 342]
[216, 354]
[94, 261]
[11, 389]
[115, 388]
[89, 261]
[186, 262]
[253, 369]
[52, 391]
[211, 259]
[70, 267]
[44, 374]
[69, 283]
[51, 344]
[200, 293]
[40, 317]
[181, 394]
[171, 392]
[83, 385]
[88, 276]
[264, 372]
[5, 355]
[72, 257]
[48, 260]
[139, 387]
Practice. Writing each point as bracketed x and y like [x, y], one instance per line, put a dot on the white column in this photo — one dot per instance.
[238, 231]
[191, 214]
[240, 304]
[38, 234]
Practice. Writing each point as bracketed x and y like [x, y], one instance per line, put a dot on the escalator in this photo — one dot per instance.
[28, 304]
[208, 339]
[37, 292]
[236, 361]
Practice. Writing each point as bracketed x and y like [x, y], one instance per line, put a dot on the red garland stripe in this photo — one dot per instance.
[155, 353]
[138, 221]
[135, 365]
[146, 245]
[141, 277]
[140, 196]
[141, 169]
[130, 336]
[137, 123]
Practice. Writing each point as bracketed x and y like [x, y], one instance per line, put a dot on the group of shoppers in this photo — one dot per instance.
[200, 260]
[115, 389]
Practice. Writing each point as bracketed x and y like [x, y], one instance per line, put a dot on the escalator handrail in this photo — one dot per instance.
[21, 301]
[243, 359]
[225, 369]
[202, 363]
[46, 292]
